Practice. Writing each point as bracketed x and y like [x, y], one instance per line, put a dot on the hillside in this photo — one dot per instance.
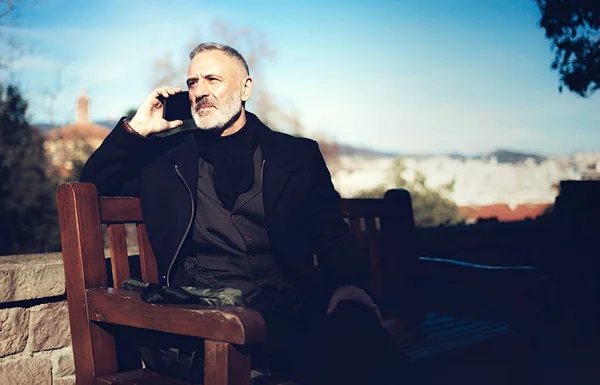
[347, 150]
[502, 156]
[506, 156]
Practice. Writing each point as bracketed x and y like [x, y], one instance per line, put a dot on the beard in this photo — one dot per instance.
[218, 117]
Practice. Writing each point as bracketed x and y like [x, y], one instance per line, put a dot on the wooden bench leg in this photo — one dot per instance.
[94, 353]
[225, 365]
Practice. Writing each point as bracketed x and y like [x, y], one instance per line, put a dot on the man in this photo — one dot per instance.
[234, 204]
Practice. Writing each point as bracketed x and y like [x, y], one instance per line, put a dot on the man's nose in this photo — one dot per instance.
[200, 91]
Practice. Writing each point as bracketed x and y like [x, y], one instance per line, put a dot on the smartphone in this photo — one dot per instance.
[177, 107]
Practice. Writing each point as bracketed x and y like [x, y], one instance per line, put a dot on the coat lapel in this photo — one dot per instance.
[274, 180]
[256, 189]
[185, 156]
[279, 166]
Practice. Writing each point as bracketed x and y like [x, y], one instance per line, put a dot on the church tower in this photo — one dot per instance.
[82, 113]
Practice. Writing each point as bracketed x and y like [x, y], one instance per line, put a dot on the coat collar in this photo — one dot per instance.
[182, 143]
[280, 162]
[273, 153]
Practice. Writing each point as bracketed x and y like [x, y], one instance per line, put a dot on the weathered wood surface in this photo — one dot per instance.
[117, 240]
[138, 377]
[147, 258]
[120, 210]
[83, 256]
[123, 307]
[225, 364]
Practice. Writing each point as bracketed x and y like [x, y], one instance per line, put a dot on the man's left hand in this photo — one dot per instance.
[352, 293]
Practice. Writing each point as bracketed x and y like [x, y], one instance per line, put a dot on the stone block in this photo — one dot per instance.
[62, 363]
[64, 381]
[30, 371]
[31, 276]
[14, 330]
[49, 327]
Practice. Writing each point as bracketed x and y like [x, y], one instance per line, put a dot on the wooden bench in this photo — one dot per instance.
[398, 279]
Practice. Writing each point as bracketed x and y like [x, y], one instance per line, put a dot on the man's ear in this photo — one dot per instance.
[246, 89]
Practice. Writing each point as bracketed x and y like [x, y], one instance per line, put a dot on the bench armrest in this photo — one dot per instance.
[229, 324]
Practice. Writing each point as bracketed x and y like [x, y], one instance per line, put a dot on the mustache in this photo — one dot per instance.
[204, 102]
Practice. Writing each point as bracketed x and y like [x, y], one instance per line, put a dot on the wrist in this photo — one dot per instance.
[134, 129]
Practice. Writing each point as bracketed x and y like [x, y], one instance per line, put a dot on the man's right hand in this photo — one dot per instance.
[149, 117]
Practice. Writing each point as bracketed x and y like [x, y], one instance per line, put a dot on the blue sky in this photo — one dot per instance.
[433, 76]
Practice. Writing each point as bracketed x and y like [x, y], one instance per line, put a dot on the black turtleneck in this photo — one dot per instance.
[231, 157]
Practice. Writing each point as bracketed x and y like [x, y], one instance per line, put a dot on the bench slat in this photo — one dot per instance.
[464, 341]
[137, 377]
[235, 325]
[439, 334]
[375, 262]
[464, 329]
[147, 258]
[118, 253]
[443, 322]
[355, 227]
[360, 208]
[120, 210]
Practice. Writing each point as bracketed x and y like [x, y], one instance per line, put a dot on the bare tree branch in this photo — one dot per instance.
[51, 94]
[9, 8]
[8, 16]
[256, 50]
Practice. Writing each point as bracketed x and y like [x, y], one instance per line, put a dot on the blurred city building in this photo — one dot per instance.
[71, 145]
[509, 188]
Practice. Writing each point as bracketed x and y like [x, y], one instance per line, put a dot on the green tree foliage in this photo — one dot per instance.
[573, 26]
[79, 157]
[130, 112]
[430, 206]
[28, 219]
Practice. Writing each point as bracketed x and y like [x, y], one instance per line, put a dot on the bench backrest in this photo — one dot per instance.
[385, 227]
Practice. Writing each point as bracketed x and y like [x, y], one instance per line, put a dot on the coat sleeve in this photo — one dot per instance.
[115, 166]
[340, 257]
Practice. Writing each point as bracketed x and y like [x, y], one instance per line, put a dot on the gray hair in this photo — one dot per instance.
[227, 50]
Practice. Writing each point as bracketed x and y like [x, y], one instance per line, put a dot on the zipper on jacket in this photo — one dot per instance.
[262, 171]
[262, 185]
[188, 227]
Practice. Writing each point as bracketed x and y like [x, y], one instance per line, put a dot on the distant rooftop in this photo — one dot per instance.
[503, 212]
[82, 127]
[67, 145]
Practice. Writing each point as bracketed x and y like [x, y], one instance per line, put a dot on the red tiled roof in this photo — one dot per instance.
[503, 212]
[79, 130]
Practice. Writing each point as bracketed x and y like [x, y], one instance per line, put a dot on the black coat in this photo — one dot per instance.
[302, 208]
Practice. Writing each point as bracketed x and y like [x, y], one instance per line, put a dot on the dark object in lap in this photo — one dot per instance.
[206, 296]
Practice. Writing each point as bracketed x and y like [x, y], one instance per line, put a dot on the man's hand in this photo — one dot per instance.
[149, 117]
[352, 293]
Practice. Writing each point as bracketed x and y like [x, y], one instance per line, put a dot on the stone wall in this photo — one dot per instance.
[35, 340]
